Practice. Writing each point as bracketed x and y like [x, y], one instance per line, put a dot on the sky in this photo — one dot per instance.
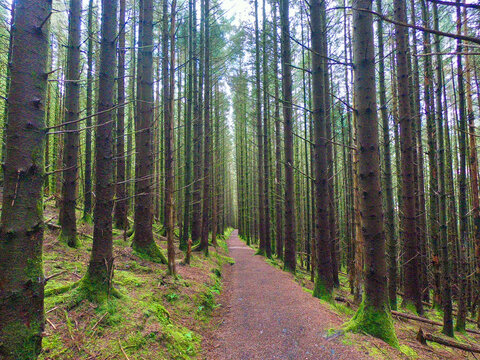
[239, 9]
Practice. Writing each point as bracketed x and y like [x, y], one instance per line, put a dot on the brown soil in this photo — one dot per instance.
[269, 316]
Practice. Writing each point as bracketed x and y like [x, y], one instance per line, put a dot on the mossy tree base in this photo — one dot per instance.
[87, 219]
[87, 288]
[321, 292]
[375, 322]
[151, 252]
[70, 239]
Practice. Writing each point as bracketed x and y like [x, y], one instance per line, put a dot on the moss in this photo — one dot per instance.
[407, 350]
[409, 306]
[87, 219]
[151, 252]
[21, 341]
[373, 321]
[53, 347]
[69, 239]
[126, 278]
[86, 288]
[320, 291]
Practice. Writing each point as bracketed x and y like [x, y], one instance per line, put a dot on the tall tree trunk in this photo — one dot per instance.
[21, 229]
[68, 219]
[197, 129]
[143, 241]
[87, 192]
[120, 215]
[207, 151]
[266, 149]
[290, 259]
[373, 316]
[443, 242]
[279, 230]
[462, 181]
[130, 159]
[100, 268]
[324, 279]
[411, 260]
[258, 114]
[389, 208]
[168, 102]
[188, 134]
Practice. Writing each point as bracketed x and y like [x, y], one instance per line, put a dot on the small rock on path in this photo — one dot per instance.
[269, 316]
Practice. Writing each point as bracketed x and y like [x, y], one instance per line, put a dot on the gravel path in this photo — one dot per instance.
[267, 315]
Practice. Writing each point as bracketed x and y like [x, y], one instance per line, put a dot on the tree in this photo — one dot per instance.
[68, 219]
[278, 145]
[389, 209]
[290, 260]
[21, 228]
[143, 241]
[373, 315]
[87, 197]
[208, 149]
[98, 281]
[411, 259]
[260, 162]
[169, 141]
[324, 279]
[120, 215]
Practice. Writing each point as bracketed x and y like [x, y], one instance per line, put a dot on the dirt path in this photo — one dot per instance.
[267, 315]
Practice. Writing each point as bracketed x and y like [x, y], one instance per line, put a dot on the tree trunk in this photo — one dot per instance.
[279, 230]
[120, 215]
[411, 263]
[168, 102]
[389, 208]
[143, 241]
[21, 230]
[324, 279]
[100, 268]
[374, 313]
[207, 151]
[87, 192]
[68, 219]
[290, 259]
[462, 182]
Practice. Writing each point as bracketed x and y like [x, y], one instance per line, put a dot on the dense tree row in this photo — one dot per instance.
[375, 169]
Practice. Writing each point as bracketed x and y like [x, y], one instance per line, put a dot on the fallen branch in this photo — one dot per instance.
[58, 227]
[54, 276]
[426, 321]
[423, 337]
[123, 351]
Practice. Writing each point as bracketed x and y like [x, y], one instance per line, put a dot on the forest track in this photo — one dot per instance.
[267, 315]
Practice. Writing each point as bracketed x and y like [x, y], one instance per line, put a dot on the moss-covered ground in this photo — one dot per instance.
[153, 316]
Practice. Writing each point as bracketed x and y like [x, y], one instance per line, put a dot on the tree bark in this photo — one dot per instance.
[120, 215]
[290, 260]
[374, 310]
[143, 241]
[21, 228]
[100, 268]
[68, 219]
[324, 279]
[411, 263]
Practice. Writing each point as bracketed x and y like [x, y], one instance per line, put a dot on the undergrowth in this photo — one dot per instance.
[156, 316]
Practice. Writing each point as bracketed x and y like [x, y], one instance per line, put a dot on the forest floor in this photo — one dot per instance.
[271, 314]
[156, 317]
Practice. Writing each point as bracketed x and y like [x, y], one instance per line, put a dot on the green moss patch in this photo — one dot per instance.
[375, 322]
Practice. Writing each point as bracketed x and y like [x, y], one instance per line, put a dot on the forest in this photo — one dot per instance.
[239, 179]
